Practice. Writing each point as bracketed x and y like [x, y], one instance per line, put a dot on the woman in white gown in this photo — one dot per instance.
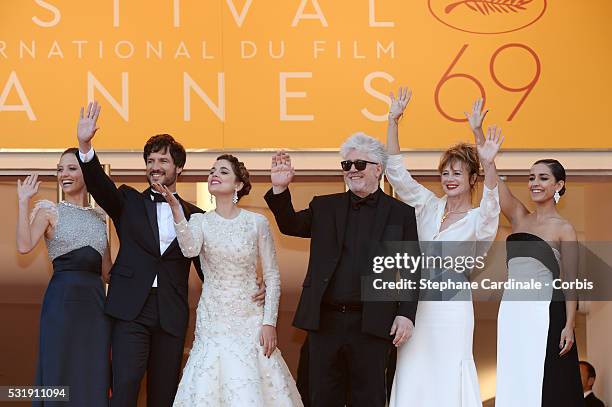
[537, 360]
[435, 367]
[234, 360]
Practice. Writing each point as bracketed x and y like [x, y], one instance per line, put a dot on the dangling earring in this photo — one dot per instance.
[235, 197]
[556, 197]
[211, 199]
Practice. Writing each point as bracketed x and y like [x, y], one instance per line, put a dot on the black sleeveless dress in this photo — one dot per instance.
[74, 347]
[530, 371]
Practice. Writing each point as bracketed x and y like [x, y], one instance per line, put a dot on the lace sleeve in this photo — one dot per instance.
[271, 274]
[45, 205]
[407, 188]
[189, 235]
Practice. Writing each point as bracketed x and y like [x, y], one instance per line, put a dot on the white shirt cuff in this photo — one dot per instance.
[395, 158]
[87, 157]
[487, 190]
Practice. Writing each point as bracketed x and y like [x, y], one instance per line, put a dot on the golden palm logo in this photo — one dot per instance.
[490, 6]
[487, 16]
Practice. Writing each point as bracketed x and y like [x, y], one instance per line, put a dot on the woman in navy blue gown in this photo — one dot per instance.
[74, 348]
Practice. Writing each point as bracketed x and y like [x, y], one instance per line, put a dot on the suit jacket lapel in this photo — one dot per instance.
[187, 213]
[382, 213]
[151, 210]
[341, 216]
[186, 210]
[383, 209]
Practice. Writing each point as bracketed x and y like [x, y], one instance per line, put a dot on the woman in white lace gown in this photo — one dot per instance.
[234, 360]
[436, 367]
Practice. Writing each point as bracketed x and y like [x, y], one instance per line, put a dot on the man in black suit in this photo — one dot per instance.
[147, 296]
[349, 337]
[587, 375]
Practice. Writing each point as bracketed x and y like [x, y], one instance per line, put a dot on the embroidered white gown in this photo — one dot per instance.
[436, 367]
[226, 366]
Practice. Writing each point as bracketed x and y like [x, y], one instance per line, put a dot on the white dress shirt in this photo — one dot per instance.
[479, 224]
[165, 220]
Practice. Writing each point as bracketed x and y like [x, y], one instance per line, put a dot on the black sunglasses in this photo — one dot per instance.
[360, 165]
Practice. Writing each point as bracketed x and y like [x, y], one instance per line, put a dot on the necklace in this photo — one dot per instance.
[451, 212]
[85, 208]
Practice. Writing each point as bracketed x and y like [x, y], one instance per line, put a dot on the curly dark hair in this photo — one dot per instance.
[557, 171]
[241, 173]
[161, 143]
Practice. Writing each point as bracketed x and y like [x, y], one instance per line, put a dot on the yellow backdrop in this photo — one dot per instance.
[304, 73]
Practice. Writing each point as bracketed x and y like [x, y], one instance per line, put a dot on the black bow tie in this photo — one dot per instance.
[157, 197]
[357, 202]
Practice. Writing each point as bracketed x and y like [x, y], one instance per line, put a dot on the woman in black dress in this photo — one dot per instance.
[74, 348]
[537, 359]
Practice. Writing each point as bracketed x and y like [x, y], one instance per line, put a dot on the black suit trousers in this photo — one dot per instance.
[346, 366]
[141, 345]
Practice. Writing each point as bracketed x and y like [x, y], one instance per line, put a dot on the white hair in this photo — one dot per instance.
[366, 144]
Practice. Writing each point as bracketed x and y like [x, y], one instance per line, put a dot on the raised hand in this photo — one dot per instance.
[87, 126]
[398, 105]
[28, 188]
[477, 116]
[167, 194]
[488, 150]
[281, 172]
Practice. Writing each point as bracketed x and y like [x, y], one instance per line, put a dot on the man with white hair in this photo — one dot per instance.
[349, 337]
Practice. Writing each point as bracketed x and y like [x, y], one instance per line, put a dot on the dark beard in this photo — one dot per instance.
[166, 183]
